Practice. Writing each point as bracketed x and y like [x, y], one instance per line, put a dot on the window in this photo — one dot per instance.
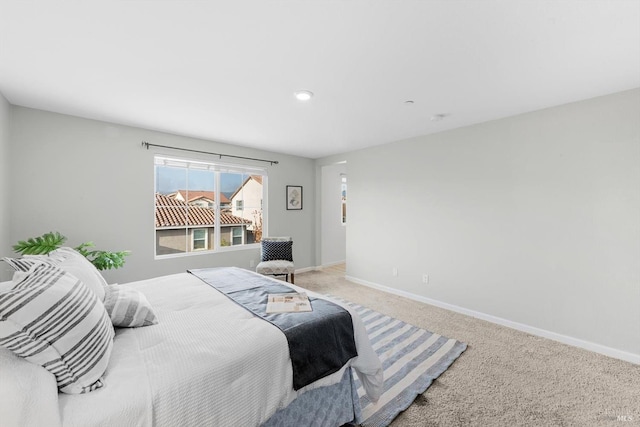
[206, 207]
[199, 239]
[236, 236]
[343, 195]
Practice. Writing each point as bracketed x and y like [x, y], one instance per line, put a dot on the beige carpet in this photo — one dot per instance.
[505, 377]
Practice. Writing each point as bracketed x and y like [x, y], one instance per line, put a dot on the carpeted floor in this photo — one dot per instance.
[505, 377]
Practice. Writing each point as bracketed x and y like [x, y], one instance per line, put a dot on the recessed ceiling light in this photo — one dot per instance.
[303, 95]
[408, 102]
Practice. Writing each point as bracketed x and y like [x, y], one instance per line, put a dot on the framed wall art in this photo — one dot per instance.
[294, 197]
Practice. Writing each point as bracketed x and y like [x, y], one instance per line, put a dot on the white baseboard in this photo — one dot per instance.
[331, 264]
[317, 267]
[575, 342]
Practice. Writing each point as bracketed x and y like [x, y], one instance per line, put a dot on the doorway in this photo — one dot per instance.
[333, 222]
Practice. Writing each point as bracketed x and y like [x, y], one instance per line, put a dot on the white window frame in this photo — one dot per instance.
[219, 167]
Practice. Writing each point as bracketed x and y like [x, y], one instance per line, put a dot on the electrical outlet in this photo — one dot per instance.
[425, 278]
[394, 271]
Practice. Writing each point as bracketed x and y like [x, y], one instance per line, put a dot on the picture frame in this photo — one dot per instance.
[294, 197]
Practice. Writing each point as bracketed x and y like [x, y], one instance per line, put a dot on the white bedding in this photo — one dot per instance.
[207, 362]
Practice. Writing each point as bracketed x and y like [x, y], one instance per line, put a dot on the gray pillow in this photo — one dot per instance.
[128, 307]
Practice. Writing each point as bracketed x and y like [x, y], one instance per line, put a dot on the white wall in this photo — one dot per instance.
[333, 237]
[534, 219]
[5, 245]
[92, 180]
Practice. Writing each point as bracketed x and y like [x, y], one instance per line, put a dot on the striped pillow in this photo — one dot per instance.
[26, 263]
[128, 307]
[70, 260]
[52, 319]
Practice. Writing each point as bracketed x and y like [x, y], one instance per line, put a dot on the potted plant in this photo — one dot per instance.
[48, 242]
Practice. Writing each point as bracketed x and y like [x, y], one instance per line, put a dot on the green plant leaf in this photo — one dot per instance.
[102, 260]
[105, 260]
[82, 249]
[40, 245]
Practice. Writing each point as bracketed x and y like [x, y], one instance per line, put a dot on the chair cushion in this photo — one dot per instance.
[274, 250]
[275, 267]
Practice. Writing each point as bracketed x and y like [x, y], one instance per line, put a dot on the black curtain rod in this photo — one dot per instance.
[147, 145]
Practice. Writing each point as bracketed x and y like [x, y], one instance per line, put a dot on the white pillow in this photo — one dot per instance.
[128, 307]
[52, 319]
[76, 264]
[28, 393]
[6, 285]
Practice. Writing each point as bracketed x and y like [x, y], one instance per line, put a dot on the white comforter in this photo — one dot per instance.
[207, 362]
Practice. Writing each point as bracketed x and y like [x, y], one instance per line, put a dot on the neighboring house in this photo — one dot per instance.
[205, 199]
[246, 202]
[174, 217]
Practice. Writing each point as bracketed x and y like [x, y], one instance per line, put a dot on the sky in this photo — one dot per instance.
[170, 180]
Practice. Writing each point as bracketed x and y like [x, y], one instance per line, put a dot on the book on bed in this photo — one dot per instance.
[291, 302]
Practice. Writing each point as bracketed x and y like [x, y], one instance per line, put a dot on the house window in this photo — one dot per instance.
[236, 236]
[199, 239]
[343, 196]
[196, 206]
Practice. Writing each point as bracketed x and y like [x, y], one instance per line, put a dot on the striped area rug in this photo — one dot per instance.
[411, 358]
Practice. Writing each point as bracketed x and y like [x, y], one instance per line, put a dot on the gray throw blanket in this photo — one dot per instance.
[320, 341]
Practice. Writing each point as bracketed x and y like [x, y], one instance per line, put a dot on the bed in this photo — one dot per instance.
[207, 361]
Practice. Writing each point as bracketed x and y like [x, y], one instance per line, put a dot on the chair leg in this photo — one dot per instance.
[292, 281]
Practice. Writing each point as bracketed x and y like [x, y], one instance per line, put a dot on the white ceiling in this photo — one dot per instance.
[226, 70]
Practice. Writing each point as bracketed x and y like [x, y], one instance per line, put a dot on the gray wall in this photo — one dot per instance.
[533, 218]
[5, 113]
[92, 180]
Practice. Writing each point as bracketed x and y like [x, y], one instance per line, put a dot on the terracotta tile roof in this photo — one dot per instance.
[199, 194]
[171, 213]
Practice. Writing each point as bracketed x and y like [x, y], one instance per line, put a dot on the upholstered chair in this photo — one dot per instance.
[277, 257]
